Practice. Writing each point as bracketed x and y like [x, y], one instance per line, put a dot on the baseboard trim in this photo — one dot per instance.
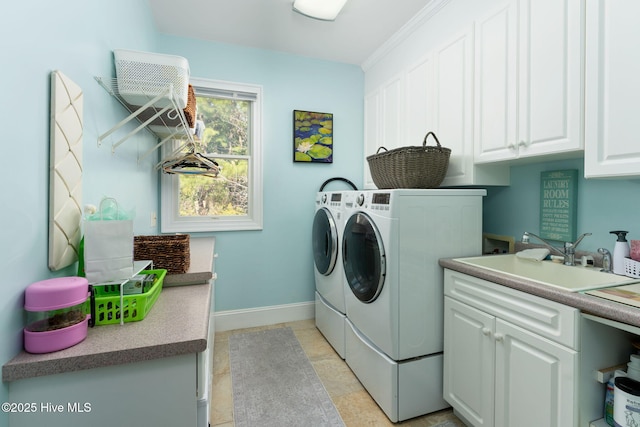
[262, 316]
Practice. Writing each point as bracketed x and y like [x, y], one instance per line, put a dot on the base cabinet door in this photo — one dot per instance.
[498, 372]
[469, 362]
[534, 380]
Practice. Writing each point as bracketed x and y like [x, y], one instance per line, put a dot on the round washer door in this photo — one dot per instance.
[325, 241]
[363, 257]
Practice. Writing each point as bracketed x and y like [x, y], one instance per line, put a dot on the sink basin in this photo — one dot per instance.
[573, 279]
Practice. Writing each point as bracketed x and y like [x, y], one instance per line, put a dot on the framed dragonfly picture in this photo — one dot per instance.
[312, 137]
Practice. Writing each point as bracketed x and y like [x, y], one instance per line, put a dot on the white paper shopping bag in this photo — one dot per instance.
[108, 247]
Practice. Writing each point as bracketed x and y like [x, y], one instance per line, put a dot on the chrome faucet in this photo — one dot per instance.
[568, 251]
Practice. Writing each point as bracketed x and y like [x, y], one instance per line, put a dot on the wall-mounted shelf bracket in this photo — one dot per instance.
[168, 121]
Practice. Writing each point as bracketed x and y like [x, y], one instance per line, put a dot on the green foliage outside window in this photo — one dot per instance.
[226, 133]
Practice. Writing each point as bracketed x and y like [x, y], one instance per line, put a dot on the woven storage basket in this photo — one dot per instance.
[169, 253]
[410, 167]
[190, 109]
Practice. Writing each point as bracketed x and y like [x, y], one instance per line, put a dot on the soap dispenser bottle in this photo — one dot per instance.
[620, 251]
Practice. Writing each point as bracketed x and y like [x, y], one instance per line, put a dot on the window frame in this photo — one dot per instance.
[170, 220]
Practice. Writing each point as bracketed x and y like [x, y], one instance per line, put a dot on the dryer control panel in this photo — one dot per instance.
[381, 198]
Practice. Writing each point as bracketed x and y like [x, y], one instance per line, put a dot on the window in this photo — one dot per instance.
[228, 131]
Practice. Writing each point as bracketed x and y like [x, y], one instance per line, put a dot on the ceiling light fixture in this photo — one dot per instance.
[325, 10]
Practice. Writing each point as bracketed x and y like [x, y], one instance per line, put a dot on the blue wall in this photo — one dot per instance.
[76, 38]
[260, 268]
[603, 205]
[274, 266]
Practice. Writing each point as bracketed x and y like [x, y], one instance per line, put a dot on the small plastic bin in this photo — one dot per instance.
[631, 268]
[142, 76]
[135, 307]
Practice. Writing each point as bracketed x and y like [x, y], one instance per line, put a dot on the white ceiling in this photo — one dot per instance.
[361, 28]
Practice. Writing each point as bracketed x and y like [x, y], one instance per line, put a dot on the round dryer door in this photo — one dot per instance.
[363, 257]
[325, 241]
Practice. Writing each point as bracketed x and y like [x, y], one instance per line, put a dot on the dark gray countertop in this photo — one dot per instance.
[177, 324]
[586, 303]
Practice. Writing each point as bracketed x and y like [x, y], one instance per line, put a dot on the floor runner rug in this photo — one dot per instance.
[274, 383]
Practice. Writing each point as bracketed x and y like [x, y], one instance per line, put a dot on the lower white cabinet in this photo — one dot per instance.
[510, 358]
[158, 392]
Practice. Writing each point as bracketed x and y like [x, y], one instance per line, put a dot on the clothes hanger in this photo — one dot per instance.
[191, 163]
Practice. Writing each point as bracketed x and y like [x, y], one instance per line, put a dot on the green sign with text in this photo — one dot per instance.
[558, 205]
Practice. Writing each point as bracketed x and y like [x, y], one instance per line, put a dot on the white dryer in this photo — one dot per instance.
[392, 242]
[326, 239]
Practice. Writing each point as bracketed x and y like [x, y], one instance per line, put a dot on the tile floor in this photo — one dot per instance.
[355, 405]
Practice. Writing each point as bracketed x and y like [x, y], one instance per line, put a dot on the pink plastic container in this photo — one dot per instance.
[56, 314]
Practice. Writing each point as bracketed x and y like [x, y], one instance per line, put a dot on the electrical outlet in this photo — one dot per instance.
[154, 219]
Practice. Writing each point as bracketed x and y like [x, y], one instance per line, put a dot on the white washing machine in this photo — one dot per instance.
[327, 228]
[391, 245]
[326, 237]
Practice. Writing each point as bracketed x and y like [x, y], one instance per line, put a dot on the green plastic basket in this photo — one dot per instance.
[135, 307]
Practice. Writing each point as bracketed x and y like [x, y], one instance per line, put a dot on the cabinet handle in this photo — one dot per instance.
[523, 144]
[499, 337]
[511, 146]
[486, 332]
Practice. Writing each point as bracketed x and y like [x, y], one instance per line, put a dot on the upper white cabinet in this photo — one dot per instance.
[529, 80]
[419, 99]
[383, 120]
[371, 131]
[612, 109]
[496, 83]
[454, 104]
[454, 112]
[433, 93]
[550, 80]
[398, 112]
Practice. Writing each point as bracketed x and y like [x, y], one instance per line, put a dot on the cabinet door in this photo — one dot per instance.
[383, 121]
[535, 380]
[454, 105]
[495, 84]
[391, 110]
[469, 360]
[419, 102]
[550, 76]
[371, 132]
[612, 89]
